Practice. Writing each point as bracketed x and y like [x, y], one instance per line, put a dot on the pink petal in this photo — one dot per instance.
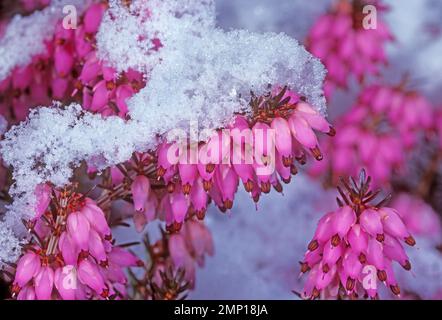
[140, 189]
[89, 274]
[78, 228]
[44, 282]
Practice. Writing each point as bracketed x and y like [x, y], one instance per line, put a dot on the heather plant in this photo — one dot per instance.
[349, 43]
[132, 119]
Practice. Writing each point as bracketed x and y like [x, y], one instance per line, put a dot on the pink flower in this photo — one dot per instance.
[53, 75]
[44, 282]
[89, 274]
[140, 192]
[122, 94]
[68, 249]
[22, 78]
[123, 258]
[258, 151]
[64, 61]
[43, 195]
[93, 16]
[189, 247]
[66, 281]
[378, 133]
[59, 88]
[354, 247]
[27, 293]
[339, 39]
[91, 70]
[81, 262]
[418, 216]
[101, 96]
[78, 229]
[28, 267]
[82, 44]
[96, 218]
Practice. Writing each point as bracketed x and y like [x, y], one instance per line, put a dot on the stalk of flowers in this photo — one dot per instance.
[259, 150]
[170, 272]
[26, 87]
[71, 254]
[180, 188]
[419, 217]
[355, 246]
[70, 71]
[378, 133]
[346, 48]
[189, 248]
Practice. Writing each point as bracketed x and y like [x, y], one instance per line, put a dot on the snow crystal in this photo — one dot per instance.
[196, 81]
[126, 38]
[52, 142]
[24, 36]
[9, 244]
[200, 64]
[192, 76]
[3, 125]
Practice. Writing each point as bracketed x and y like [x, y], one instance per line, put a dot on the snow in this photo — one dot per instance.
[52, 142]
[200, 64]
[126, 38]
[195, 81]
[25, 35]
[3, 125]
[9, 244]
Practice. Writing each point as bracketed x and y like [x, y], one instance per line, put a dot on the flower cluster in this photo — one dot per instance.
[347, 49]
[259, 150]
[70, 70]
[72, 254]
[173, 260]
[189, 248]
[354, 246]
[377, 133]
